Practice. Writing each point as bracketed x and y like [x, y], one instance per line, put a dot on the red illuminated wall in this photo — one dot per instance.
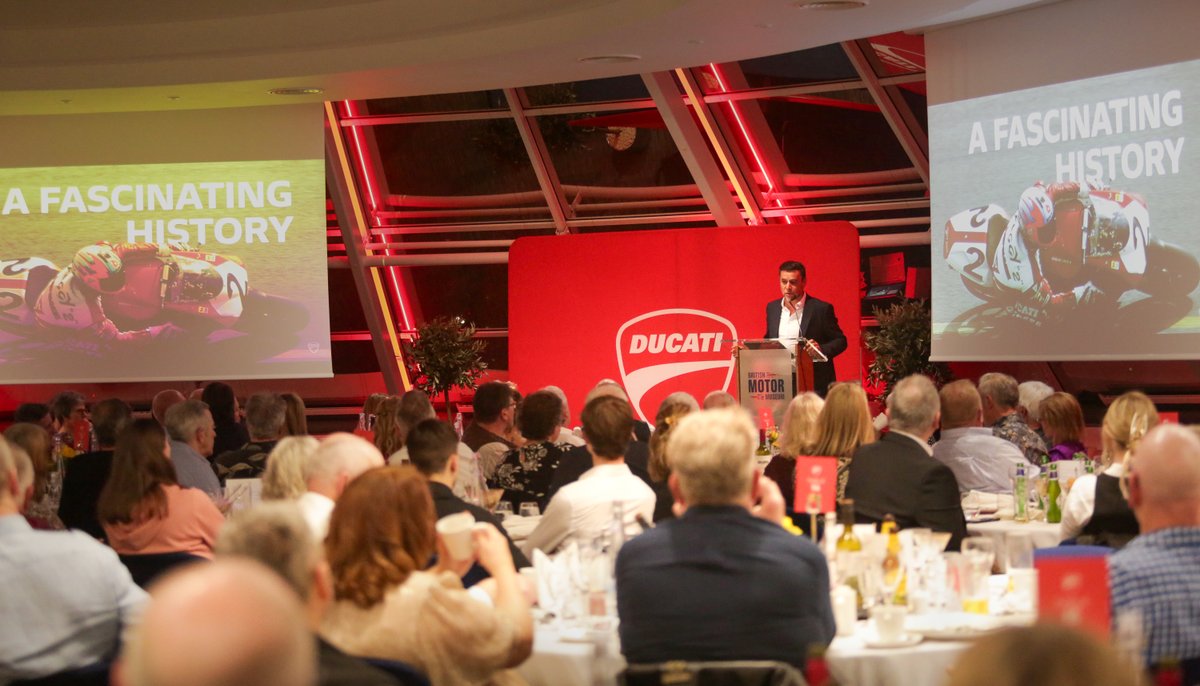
[645, 308]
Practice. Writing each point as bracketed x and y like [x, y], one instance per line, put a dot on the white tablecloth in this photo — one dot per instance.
[925, 664]
[1043, 535]
[519, 527]
[572, 657]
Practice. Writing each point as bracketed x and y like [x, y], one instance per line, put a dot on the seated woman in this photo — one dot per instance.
[1095, 511]
[526, 472]
[1062, 422]
[283, 478]
[669, 413]
[42, 509]
[796, 438]
[388, 605]
[843, 425]
[143, 509]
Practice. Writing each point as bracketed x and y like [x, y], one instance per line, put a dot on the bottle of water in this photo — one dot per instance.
[1021, 495]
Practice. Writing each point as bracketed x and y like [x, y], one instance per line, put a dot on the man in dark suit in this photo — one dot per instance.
[723, 581]
[799, 314]
[898, 475]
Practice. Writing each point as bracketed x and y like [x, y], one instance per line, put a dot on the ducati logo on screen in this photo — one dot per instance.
[687, 348]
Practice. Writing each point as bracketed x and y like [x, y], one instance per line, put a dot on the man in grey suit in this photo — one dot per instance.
[798, 314]
[897, 474]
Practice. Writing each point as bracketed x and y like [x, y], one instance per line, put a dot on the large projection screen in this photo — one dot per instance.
[164, 246]
[1062, 220]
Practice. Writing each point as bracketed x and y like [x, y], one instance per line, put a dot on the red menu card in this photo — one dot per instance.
[1073, 590]
[816, 484]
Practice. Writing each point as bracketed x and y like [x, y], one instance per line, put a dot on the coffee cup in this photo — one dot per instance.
[455, 531]
[888, 621]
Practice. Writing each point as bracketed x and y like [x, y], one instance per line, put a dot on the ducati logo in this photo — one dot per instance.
[687, 347]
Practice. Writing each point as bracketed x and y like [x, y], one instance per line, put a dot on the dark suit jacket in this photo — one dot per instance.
[721, 584]
[819, 323]
[894, 475]
[335, 668]
[578, 460]
[446, 503]
[85, 477]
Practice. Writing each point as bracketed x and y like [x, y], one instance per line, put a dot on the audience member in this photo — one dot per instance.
[41, 509]
[366, 421]
[389, 427]
[526, 472]
[723, 581]
[566, 437]
[1030, 395]
[336, 462]
[266, 415]
[433, 449]
[70, 425]
[582, 511]
[65, 597]
[1095, 510]
[388, 605]
[796, 438]
[494, 412]
[190, 426]
[1062, 425]
[34, 413]
[142, 507]
[897, 474]
[283, 479]
[296, 423]
[89, 471]
[719, 399]
[230, 623]
[658, 467]
[1157, 575]
[1040, 655]
[980, 461]
[641, 430]
[843, 426]
[163, 401]
[1000, 398]
[578, 460]
[276, 535]
[223, 404]
[469, 483]
[66, 406]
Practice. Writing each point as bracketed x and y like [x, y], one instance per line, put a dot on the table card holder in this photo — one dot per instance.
[815, 488]
[1073, 587]
[243, 494]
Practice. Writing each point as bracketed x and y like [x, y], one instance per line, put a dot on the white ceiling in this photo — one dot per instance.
[72, 56]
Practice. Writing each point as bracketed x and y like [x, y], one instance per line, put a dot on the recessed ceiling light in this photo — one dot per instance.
[296, 91]
[610, 59]
[830, 4]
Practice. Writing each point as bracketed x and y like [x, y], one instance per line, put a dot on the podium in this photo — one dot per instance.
[770, 373]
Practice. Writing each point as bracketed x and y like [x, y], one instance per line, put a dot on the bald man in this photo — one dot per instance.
[336, 462]
[163, 401]
[1158, 573]
[229, 623]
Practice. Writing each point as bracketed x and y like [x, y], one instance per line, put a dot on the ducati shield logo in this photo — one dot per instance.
[689, 347]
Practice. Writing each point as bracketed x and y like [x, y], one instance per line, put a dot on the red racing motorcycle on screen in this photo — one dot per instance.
[1068, 248]
[138, 293]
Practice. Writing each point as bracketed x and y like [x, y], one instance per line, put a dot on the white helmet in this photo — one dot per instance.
[1035, 211]
[95, 265]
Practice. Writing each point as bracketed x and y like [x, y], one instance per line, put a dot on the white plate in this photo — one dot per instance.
[871, 640]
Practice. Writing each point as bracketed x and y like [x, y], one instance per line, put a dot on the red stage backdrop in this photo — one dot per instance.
[656, 310]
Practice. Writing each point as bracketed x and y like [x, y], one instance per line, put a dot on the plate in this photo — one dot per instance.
[871, 640]
[982, 519]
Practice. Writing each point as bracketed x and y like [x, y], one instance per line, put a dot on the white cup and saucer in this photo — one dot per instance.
[886, 628]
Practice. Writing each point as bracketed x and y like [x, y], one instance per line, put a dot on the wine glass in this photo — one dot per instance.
[504, 509]
[980, 554]
[530, 510]
[970, 506]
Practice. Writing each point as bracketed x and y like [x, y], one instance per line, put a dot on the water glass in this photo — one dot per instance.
[530, 510]
[980, 553]
[504, 509]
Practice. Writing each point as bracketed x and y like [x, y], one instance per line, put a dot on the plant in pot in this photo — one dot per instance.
[445, 355]
[901, 346]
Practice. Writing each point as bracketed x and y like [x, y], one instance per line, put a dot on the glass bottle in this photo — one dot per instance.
[1053, 491]
[763, 452]
[849, 550]
[1021, 495]
[893, 572]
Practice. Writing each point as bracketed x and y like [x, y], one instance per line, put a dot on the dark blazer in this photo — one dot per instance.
[446, 503]
[819, 323]
[85, 477]
[335, 668]
[578, 460]
[721, 584]
[895, 476]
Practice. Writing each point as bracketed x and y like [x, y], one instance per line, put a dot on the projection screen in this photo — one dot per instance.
[164, 246]
[1063, 220]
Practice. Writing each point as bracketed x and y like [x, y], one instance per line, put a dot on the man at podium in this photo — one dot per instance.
[798, 314]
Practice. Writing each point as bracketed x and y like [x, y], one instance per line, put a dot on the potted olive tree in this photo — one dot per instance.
[901, 346]
[445, 355]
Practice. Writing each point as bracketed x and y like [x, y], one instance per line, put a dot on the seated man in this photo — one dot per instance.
[494, 412]
[335, 463]
[583, 510]
[64, 596]
[723, 581]
[1001, 398]
[225, 623]
[979, 460]
[897, 474]
[1158, 573]
[265, 417]
[89, 472]
[578, 460]
[433, 450]
[192, 431]
[275, 534]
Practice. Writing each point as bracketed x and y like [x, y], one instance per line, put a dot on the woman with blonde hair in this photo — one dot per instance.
[283, 478]
[797, 437]
[669, 413]
[295, 417]
[843, 425]
[388, 605]
[1095, 511]
[1041, 655]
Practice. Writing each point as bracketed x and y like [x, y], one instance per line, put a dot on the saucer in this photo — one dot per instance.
[871, 640]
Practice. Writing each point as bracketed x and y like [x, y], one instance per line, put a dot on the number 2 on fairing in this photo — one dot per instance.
[972, 268]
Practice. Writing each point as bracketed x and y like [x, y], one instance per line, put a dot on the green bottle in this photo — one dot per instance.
[1021, 495]
[1053, 493]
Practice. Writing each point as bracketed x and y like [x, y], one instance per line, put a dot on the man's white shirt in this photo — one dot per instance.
[979, 460]
[789, 322]
[582, 511]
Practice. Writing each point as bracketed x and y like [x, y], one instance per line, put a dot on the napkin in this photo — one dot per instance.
[1000, 503]
[559, 579]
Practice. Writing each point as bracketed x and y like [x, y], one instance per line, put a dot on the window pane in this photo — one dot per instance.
[815, 65]
[442, 102]
[477, 293]
[595, 90]
[900, 53]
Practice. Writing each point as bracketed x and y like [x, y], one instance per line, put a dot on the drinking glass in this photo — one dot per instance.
[980, 553]
[530, 510]
[504, 509]
[970, 506]
[889, 581]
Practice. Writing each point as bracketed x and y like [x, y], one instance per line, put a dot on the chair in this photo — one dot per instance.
[1074, 550]
[146, 568]
[732, 673]
[92, 675]
[404, 672]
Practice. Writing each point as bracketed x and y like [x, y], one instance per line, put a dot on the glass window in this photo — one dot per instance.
[442, 102]
[478, 293]
[815, 65]
[595, 90]
[900, 53]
